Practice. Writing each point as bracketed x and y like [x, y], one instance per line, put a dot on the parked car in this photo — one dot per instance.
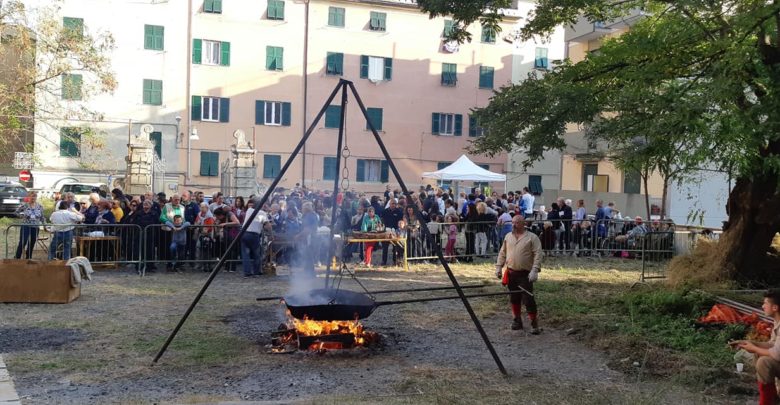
[11, 197]
[81, 190]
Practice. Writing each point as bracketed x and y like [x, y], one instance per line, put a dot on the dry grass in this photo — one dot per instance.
[702, 268]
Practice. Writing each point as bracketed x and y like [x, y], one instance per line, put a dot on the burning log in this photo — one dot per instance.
[320, 336]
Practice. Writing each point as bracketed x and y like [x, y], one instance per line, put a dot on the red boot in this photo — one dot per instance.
[767, 394]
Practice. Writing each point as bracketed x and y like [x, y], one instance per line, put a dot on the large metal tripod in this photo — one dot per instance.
[344, 86]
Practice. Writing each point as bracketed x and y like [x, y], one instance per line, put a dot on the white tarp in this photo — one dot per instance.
[464, 169]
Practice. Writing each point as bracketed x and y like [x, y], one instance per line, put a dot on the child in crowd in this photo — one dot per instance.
[452, 237]
[178, 241]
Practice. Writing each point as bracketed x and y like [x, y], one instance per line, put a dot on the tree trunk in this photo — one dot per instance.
[645, 177]
[664, 193]
[754, 215]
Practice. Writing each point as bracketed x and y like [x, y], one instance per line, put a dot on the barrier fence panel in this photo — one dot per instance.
[105, 244]
[197, 246]
[657, 250]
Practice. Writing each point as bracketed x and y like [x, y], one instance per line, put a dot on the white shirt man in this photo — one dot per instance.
[528, 202]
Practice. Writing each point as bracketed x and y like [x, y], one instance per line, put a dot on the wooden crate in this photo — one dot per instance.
[36, 281]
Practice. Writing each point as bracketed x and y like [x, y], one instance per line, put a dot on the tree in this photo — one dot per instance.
[706, 74]
[48, 67]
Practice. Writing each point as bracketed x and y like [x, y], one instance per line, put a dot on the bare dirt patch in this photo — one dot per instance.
[431, 352]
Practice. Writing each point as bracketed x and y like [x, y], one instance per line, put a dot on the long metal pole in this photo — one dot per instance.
[334, 210]
[397, 291]
[427, 234]
[258, 206]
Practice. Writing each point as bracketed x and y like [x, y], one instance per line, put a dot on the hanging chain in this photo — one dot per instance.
[345, 153]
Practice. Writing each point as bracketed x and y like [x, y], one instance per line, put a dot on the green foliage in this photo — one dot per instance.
[464, 13]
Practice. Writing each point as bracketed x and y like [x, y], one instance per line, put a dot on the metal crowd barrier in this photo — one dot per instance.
[150, 247]
[103, 245]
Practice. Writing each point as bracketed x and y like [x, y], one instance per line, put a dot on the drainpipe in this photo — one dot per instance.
[305, 84]
[187, 95]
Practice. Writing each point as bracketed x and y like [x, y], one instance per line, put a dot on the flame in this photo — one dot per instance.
[309, 327]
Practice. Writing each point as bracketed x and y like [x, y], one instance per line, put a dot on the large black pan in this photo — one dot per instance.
[326, 304]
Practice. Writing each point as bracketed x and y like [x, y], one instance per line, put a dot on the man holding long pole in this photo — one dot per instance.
[521, 252]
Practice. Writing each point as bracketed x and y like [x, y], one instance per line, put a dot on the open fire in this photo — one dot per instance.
[320, 336]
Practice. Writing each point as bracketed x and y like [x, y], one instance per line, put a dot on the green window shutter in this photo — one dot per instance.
[209, 163]
[274, 57]
[361, 170]
[435, 123]
[71, 87]
[486, 77]
[449, 74]
[214, 164]
[472, 126]
[212, 6]
[378, 21]
[73, 26]
[540, 62]
[333, 116]
[488, 35]
[286, 114]
[152, 92]
[632, 182]
[224, 60]
[154, 37]
[275, 10]
[375, 117]
[363, 66]
[335, 64]
[458, 124]
[336, 17]
[70, 142]
[535, 184]
[156, 138]
[259, 112]
[271, 166]
[224, 110]
[196, 108]
[388, 68]
[448, 28]
[197, 50]
[384, 172]
[329, 169]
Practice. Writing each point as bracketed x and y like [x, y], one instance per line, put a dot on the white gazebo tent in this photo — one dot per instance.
[465, 169]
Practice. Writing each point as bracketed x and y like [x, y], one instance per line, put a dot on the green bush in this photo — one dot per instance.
[666, 302]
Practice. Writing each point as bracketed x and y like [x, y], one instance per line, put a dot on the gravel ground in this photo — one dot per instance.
[99, 349]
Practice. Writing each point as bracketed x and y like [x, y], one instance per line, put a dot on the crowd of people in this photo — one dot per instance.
[291, 227]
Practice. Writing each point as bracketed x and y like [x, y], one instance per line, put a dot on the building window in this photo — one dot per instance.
[375, 117]
[375, 68]
[488, 35]
[486, 77]
[447, 124]
[154, 37]
[70, 142]
[273, 113]
[329, 169]
[209, 163]
[210, 52]
[212, 6]
[73, 27]
[369, 170]
[378, 21]
[210, 109]
[335, 64]
[336, 17]
[632, 182]
[535, 184]
[449, 74]
[474, 128]
[272, 164]
[449, 26]
[444, 183]
[274, 58]
[71, 87]
[540, 62]
[589, 172]
[156, 138]
[333, 116]
[152, 92]
[275, 10]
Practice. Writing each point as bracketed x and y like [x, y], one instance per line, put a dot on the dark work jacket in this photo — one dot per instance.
[390, 217]
[191, 211]
[144, 219]
[567, 214]
[90, 214]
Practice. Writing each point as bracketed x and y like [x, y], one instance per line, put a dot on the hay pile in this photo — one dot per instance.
[702, 268]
